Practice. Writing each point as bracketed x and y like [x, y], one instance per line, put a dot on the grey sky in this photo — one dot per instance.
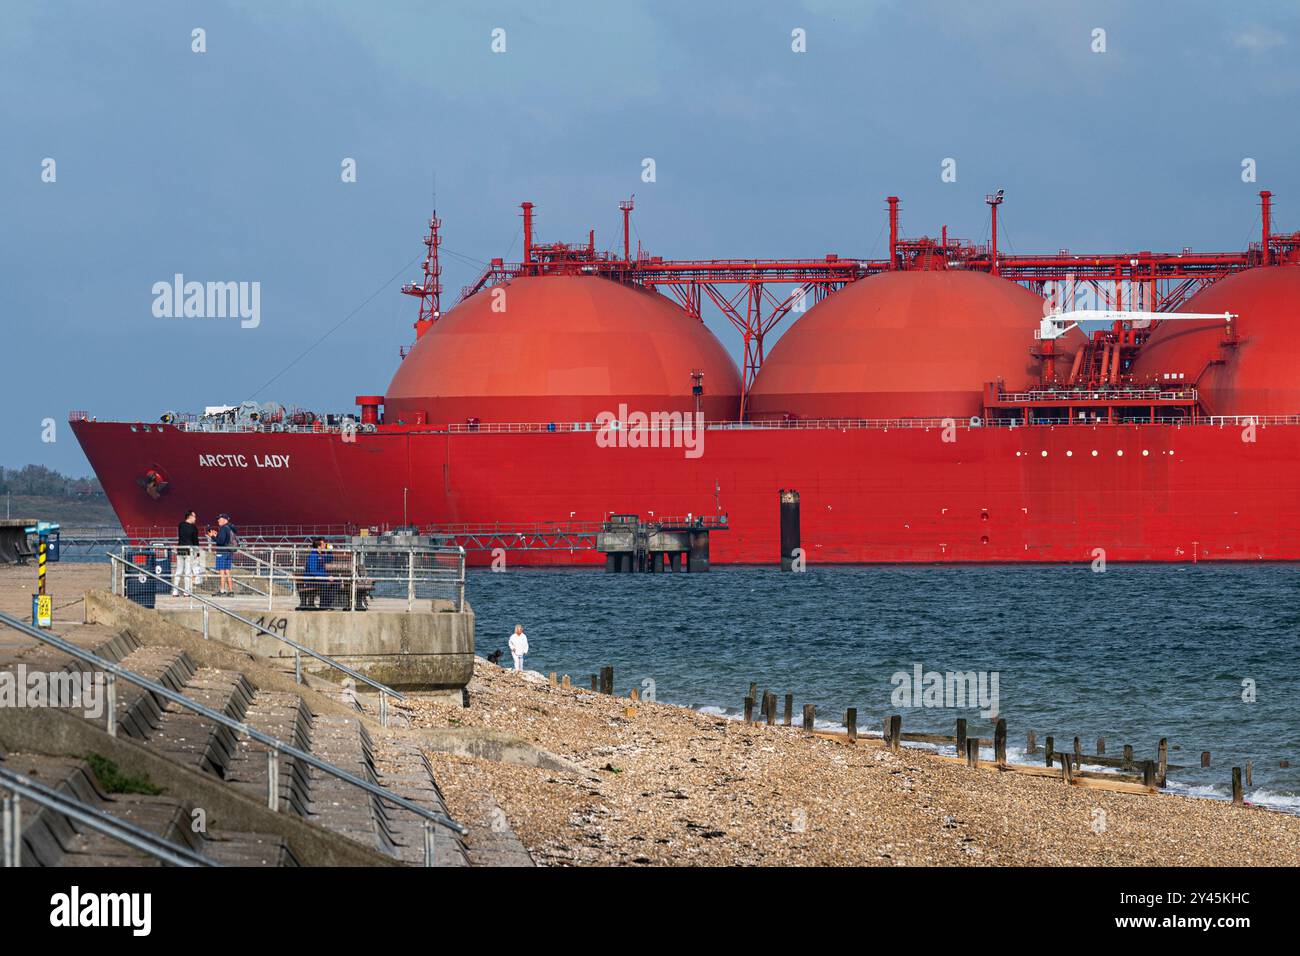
[226, 165]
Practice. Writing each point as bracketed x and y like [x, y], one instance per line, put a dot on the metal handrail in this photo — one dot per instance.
[438, 567]
[288, 575]
[274, 747]
[384, 690]
[123, 831]
[270, 578]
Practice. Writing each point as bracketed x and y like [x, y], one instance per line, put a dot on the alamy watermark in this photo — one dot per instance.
[208, 300]
[65, 690]
[946, 689]
[628, 429]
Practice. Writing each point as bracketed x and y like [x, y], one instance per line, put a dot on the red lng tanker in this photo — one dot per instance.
[940, 405]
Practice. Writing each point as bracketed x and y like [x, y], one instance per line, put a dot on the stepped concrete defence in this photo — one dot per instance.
[29, 737]
[189, 767]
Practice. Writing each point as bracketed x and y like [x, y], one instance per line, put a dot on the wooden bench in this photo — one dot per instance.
[310, 590]
[334, 592]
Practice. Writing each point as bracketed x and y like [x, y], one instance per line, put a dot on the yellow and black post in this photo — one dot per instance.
[42, 603]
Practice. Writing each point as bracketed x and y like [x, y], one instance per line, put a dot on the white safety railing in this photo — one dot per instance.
[338, 577]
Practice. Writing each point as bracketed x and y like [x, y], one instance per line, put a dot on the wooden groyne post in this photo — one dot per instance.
[895, 731]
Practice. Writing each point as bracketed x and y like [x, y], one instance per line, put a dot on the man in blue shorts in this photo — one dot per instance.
[223, 539]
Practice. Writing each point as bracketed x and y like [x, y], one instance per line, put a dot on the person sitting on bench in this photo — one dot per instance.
[315, 576]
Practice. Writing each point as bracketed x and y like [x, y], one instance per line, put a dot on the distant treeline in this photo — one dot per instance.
[39, 480]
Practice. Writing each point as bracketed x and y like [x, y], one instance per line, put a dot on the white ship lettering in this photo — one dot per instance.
[241, 461]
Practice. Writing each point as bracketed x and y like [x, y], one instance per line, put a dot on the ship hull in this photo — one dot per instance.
[1157, 493]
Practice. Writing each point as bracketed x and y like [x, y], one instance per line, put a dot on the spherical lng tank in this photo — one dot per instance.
[907, 344]
[561, 349]
[1260, 373]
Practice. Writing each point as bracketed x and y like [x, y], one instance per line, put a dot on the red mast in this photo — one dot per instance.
[1266, 213]
[627, 206]
[893, 231]
[527, 207]
[994, 200]
[429, 291]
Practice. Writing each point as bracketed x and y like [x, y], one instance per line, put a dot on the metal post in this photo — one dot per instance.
[428, 844]
[460, 584]
[352, 604]
[205, 622]
[410, 581]
[112, 704]
[273, 779]
[383, 709]
[14, 819]
[7, 831]
[270, 581]
[297, 665]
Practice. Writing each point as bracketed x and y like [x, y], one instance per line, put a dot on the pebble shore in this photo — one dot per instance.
[668, 786]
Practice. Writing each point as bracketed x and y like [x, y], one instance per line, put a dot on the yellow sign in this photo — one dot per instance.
[44, 610]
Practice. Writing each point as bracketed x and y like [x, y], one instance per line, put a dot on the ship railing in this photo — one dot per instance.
[21, 787]
[261, 534]
[882, 424]
[351, 575]
[684, 423]
[1242, 420]
[1180, 421]
[1100, 394]
[193, 423]
[134, 582]
[855, 424]
[276, 748]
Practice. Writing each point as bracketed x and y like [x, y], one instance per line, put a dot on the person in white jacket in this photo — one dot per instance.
[518, 646]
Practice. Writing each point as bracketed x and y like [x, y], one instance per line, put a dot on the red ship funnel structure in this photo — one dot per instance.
[1250, 368]
[562, 348]
[902, 344]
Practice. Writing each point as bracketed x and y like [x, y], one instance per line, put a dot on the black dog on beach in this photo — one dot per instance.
[494, 656]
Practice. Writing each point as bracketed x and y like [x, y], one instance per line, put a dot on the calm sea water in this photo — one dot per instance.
[1134, 654]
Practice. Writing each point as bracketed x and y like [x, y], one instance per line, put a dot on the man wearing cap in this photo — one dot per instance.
[223, 538]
